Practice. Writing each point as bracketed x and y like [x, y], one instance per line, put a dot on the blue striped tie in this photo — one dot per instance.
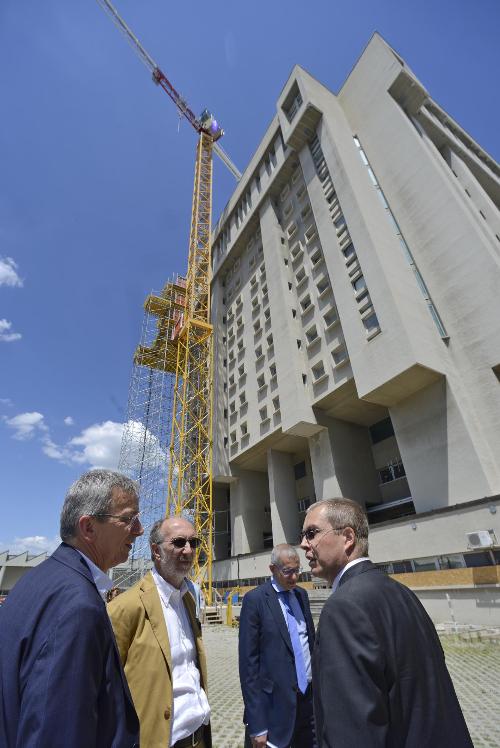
[300, 665]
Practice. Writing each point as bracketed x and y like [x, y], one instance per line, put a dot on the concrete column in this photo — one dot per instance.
[283, 497]
[249, 499]
[443, 458]
[342, 462]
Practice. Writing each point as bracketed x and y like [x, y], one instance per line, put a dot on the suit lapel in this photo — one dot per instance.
[277, 613]
[152, 604]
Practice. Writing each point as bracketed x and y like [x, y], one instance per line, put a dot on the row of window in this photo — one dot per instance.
[356, 277]
[409, 566]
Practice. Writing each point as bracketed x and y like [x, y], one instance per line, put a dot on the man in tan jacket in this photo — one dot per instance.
[160, 645]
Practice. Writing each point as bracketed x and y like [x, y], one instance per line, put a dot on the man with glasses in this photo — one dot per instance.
[275, 644]
[380, 677]
[61, 680]
[159, 639]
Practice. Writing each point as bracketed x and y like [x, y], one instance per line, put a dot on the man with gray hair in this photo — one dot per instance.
[275, 644]
[61, 680]
[159, 638]
[380, 677]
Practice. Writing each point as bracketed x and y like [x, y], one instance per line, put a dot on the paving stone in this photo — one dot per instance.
[474, 668]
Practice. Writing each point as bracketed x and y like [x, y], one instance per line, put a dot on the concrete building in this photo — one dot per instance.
[356, 305]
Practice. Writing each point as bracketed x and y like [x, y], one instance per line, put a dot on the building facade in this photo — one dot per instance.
[356, 308]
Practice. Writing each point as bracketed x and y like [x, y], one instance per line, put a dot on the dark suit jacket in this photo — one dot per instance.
[61, 681]
[267, 666]
[380, 678]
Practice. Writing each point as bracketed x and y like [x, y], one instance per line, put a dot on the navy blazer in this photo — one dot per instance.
[267, 666]
[379, 673]
[61, 680]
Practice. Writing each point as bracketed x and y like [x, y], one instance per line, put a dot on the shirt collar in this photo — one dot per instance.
[277, 586]
[337, 579]
[167, 590]
[101, 579]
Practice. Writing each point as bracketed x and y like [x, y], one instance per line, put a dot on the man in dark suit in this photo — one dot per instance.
[275, 644]
[379, 673]
[61, 681]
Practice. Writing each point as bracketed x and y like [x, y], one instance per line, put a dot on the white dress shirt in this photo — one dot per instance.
[190, 704]
[337, 579]
[101, 579]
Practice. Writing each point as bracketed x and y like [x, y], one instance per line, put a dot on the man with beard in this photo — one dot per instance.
[159, 639]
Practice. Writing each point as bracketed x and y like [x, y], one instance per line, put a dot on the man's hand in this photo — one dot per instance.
[260, 741]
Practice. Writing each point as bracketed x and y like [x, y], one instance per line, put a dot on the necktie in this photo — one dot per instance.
[300, 666]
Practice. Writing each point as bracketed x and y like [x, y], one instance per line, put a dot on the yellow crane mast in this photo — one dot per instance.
[184, 335]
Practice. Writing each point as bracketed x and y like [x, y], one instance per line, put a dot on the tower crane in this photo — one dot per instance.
[190, 342]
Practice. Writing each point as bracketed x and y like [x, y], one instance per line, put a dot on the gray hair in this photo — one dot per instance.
[156, 535]
[340, 513]
[91, 494]
[280, 550]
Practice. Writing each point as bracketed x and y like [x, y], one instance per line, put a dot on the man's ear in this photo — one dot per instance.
[349, 540]
[155, 551]
[86, 525]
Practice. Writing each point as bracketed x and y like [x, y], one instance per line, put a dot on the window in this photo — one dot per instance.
[381, 430]
[258, 352]
[323, 286]
[299, 470]
[301, 276]
[425, 564]
[312, 334]
[318, 371]
[270, 340]
[243, 398]
[316, 257]
[261, 381]
[305, 303]
[276, 403]
[349, 251]
[330, 318]
[263, 413]
[359, 284]
[244, 429]
[267, 314]
[272, 370]
[371, 322]
[240, 345]
[339, 223]
[339, 356]
[241, 370]
[233, 437]
[232, 406]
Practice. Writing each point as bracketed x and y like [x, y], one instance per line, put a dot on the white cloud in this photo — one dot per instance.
[34, 544]
[8, 273]
[25, 425]
[6, 401]
[98, 445]
[68, 421]
[5, 335]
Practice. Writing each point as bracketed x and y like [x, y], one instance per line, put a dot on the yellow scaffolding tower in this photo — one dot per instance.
[190, 465]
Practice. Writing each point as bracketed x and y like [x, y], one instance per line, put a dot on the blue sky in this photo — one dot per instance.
[96, 181]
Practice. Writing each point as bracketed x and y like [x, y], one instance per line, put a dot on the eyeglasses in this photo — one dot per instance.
[290, 572]
[311, 532]
[130, 520]
[181, 542]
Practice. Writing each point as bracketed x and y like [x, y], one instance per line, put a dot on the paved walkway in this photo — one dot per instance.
[474, 667]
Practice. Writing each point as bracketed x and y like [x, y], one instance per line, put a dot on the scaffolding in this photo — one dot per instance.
[144, 455]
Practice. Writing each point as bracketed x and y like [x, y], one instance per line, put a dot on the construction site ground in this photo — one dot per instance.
[474, 667]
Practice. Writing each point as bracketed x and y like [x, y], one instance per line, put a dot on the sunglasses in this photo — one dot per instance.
[181, 542]
[311, 532]
[290, 572]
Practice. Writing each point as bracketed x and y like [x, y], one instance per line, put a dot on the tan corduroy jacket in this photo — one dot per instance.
[142, 639]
